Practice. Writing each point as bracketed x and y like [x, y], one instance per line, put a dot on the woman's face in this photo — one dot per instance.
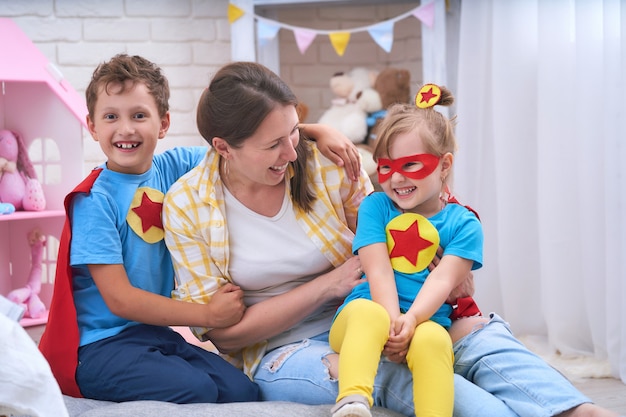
[264, 156]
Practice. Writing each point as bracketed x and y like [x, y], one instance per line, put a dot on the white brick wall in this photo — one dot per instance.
[190, 39]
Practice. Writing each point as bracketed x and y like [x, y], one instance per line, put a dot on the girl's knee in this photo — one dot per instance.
[431, 337]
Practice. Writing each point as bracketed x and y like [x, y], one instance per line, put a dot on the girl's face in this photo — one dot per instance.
[127, 126]
[408, 180]
[264, 157]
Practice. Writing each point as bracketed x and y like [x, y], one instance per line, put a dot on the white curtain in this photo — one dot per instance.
[541, 99]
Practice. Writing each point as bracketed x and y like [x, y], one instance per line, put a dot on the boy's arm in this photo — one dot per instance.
[225, 308]
[335, 146]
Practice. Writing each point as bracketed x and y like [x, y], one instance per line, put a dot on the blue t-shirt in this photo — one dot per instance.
[119, 222]
[459, 233]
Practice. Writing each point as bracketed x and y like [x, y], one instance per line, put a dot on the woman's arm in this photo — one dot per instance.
[335, 146]
[277, 314]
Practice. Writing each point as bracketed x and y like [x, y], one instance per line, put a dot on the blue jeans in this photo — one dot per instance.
[496, 376]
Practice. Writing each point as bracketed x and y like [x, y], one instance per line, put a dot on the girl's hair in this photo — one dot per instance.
[238, 99]
[435, 129]
[122, 68]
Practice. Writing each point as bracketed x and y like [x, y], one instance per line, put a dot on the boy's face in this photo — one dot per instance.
[127, 126]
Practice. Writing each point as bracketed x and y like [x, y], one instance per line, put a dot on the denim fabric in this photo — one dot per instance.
[493, 359]
[490, 357]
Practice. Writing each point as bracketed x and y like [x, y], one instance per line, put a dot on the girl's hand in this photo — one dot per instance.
[402, 330]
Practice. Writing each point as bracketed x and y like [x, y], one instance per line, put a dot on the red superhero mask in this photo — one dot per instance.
[413, 166]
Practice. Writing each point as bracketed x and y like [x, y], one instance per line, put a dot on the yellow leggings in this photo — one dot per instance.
[360, 332]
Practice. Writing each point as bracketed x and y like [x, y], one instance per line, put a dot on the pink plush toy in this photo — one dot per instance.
[28, 296]
[19, 186]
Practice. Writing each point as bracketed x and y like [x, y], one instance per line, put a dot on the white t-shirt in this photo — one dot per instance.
[270, 256]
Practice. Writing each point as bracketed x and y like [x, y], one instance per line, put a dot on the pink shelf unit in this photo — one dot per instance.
[40, 105]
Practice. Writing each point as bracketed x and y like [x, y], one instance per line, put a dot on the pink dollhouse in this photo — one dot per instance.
[42, 107]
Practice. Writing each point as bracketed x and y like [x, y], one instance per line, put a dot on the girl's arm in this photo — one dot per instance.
[448, 275]
[335, 146]
[379, 273]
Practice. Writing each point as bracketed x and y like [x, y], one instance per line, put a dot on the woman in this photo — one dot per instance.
[265, 211]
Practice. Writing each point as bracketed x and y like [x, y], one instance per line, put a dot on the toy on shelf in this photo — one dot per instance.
[393, 86]
[28, 296]
[19, 187]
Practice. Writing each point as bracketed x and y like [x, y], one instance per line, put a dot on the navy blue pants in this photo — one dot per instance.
[155, 363]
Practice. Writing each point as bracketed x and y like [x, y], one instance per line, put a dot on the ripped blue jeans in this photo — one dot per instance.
[495, 376]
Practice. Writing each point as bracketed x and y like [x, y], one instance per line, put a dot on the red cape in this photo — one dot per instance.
[60, 340]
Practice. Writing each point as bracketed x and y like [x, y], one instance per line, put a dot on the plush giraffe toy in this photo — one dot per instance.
[19, 187]
[28, 296]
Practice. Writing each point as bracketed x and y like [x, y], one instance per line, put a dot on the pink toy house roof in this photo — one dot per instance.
[23, 61]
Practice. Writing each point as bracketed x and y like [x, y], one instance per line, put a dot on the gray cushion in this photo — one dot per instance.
[91, 408]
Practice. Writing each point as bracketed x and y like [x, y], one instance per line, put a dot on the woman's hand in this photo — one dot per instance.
[341, 280]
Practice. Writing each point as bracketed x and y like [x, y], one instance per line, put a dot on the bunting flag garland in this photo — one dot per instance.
[234, 13]
[381, 32]
[340, 41]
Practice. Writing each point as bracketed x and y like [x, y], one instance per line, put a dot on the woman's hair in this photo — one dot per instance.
[436, 130]
[122, 68]
[233, 106]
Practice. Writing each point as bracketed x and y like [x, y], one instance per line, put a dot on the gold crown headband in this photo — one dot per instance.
[428, 96]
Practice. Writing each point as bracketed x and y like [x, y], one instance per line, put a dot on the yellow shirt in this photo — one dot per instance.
[196, 233]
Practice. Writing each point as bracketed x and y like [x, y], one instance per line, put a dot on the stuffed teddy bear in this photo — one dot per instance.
[28, 296]
[355, 97]
[393, 85]
[19, 188]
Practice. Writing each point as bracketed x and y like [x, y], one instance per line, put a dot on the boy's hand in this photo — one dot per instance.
[226, 306]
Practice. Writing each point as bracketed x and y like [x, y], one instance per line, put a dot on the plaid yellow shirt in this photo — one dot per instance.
[197, 236]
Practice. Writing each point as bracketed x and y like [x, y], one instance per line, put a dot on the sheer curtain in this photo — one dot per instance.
[541, 95]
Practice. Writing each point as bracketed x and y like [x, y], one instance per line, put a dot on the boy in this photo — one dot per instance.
[121, 272]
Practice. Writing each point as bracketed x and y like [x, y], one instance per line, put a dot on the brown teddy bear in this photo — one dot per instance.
[393, 86]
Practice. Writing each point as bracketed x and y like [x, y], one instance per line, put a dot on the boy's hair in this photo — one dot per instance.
[238, 99]
[436, 130]
[123, 68]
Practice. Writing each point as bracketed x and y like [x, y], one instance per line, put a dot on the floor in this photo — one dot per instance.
[606, 392]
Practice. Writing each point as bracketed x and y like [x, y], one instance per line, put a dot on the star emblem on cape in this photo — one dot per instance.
[412, 242]
[144, 214]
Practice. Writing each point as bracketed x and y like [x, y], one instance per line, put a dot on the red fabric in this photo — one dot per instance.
[465, 307]
[59, 341]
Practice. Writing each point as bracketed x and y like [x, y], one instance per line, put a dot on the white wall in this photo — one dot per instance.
[190, 39]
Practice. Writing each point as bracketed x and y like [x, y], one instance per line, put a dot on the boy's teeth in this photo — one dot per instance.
[126, 145]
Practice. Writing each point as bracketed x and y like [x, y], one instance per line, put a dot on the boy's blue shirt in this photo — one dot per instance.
[119, 222]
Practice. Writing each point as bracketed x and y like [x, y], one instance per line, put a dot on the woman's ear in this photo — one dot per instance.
[221, 146]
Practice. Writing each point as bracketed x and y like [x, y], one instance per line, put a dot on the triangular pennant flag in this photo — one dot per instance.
[234, 13]
[383, 35]
[426, 14]
[340, 41]
[266, 31]
[304, 38]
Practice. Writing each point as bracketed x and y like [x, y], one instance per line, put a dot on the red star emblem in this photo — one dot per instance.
[408, 243]
[427, 96]
[149, 212]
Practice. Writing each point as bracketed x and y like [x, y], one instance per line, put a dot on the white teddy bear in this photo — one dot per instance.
[355, 97]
